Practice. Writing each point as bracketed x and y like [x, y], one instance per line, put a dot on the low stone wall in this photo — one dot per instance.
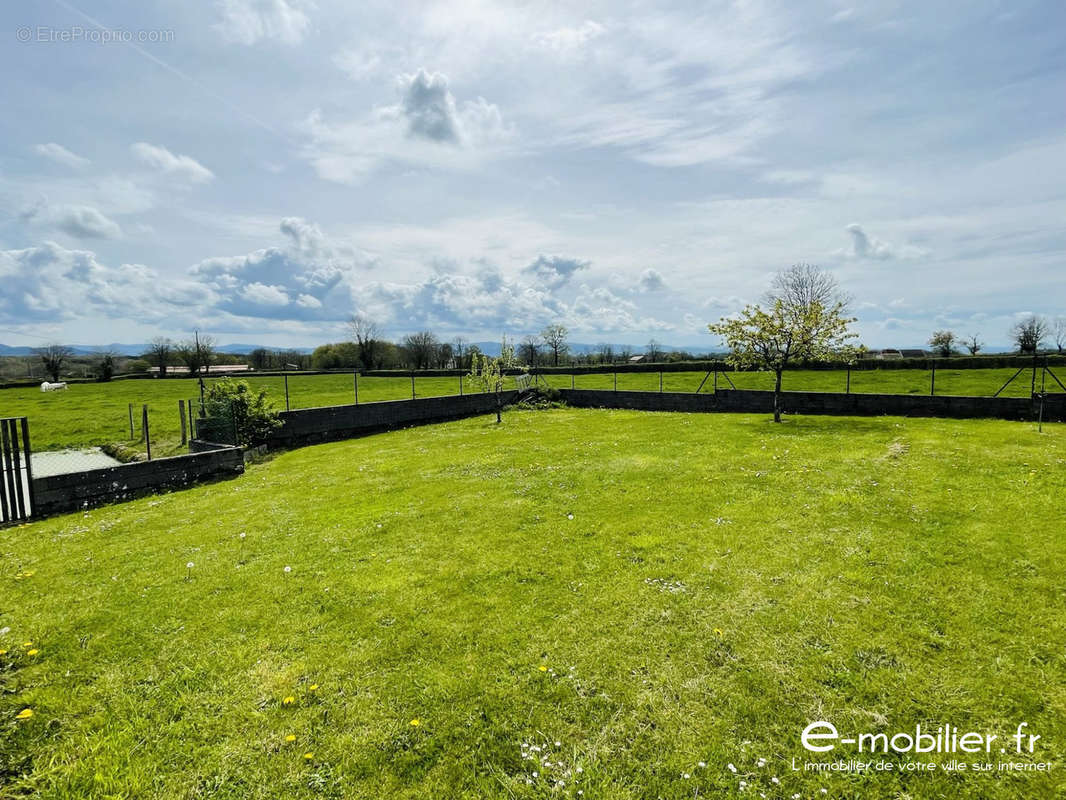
[58, 494]
[841, 404]
[313, 425]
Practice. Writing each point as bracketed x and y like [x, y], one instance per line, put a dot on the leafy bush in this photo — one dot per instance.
[247, 411]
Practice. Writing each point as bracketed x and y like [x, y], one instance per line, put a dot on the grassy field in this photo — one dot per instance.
[98, 413]
[639, 600]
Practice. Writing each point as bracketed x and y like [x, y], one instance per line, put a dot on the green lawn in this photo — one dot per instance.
[98, 413]
[632, 593]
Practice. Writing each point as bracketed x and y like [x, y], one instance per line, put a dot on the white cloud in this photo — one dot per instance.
[651, 280]
[567, 40]
[81, 222]
[427, 128]
[249, 21]
[181, 166]
[60, 155]
[264, 295]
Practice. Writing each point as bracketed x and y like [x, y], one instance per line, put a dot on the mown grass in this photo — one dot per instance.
[97, 414]
[635, 593]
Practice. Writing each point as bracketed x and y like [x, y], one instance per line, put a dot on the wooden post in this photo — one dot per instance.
[460, 384]
[131, 421]
[184, 429]
[660, 381]
[144, 430]
[571, 380]
[932, 381]
[355, 379]
[847, 386]
[412, 386]
[616, 381]
[286, 392]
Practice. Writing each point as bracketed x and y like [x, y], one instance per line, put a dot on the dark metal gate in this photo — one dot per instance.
[16, 477]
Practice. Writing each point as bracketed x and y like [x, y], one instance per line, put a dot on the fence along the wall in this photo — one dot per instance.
[1010, 408]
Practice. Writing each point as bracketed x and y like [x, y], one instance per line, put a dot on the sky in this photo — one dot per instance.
[260, 170]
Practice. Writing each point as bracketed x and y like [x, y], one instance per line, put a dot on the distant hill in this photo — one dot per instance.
[137, 349]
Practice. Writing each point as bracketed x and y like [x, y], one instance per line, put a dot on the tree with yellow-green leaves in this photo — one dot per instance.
[805, 319]
[488, 372]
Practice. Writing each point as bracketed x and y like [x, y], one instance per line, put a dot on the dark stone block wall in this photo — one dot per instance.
[1011, 408]
[312, 425]
[58, 494]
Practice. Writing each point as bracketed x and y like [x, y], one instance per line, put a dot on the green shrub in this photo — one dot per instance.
[241, 410]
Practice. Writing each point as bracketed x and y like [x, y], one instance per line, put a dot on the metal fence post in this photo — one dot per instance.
[932, 381]
[412, 386]
[571, 380]
[460, 384]
[131, 421]
[144, 429]
[233, 421]
[616, 381]
[184, 429]
[355, 377]
[660, 381]
[847, 386]
[286, 392]
[29, 469]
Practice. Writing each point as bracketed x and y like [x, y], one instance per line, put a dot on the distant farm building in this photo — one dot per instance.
[214, 369]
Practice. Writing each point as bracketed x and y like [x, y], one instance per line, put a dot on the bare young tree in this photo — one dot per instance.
[529, 350]
[605, 352]
[158, 354]
[973, 344]
[1059, 332]
[1029, 333]
[196, 353]
[367, 335]
[459, 347]
[654, 351]
[554, 337]
[52, 357]
[421, 349]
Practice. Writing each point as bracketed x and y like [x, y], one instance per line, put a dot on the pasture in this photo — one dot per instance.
[93, 414]
[573, 604]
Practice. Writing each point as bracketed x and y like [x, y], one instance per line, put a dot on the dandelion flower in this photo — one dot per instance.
[32, 652]
[309, 756]
[27, 644]
[719, 632]
[290, 738]
[314, 687]
[288, 701]
[542, 668]
[25, 713]
[3, 652]
[416, 722]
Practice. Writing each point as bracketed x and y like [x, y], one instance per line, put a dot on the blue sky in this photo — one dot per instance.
[261, 169]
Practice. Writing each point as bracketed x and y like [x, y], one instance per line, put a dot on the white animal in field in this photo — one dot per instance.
[53, 387]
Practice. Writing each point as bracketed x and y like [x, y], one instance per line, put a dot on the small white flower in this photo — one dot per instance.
[703, 764]
[685, 776]
[243, 535]
[825, 791]
[558, 744]
[580, 769]
[569, 516]
[796, 796]
[190, 565]
[288, 569]
[730, 767]
[534, 773]
[762, 762]
[774, 780]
